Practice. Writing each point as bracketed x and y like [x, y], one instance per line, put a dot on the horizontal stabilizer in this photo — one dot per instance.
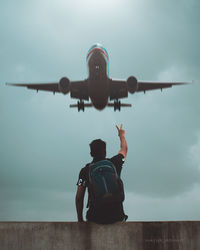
[121, 104]
[85, 105]
[88, 105]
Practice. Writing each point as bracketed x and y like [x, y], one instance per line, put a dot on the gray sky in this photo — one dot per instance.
[44, 144]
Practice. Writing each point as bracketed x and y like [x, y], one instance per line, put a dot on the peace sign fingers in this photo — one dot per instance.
[120, 130]
[118, 127]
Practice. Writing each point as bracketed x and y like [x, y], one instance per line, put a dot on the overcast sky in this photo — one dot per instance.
[44, 143]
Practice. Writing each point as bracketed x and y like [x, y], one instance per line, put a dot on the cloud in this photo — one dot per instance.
[194, 152]
[181, 207]
[173, 73]
[34, 204]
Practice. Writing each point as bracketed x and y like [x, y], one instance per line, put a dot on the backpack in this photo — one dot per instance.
[104, 183]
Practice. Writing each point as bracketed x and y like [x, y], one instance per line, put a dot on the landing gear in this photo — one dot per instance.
[117, 105]
[80, 105]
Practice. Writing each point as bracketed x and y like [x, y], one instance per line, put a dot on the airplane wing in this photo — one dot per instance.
[120, 88]
[53, 87]
[77, 89]
[148, 85]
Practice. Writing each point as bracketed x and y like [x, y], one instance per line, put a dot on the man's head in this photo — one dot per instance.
[98, 149]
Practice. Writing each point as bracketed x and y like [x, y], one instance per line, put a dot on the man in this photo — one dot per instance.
[104, 213]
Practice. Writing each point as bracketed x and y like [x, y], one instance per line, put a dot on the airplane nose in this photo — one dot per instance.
[98, 54]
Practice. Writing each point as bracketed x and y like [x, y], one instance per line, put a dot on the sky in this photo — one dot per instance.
[44, 143]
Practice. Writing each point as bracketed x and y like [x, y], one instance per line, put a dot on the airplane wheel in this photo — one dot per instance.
[78, 104]
[81, 106]
[117, 105]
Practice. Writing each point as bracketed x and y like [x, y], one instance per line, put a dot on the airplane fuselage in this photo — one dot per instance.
[98, 80]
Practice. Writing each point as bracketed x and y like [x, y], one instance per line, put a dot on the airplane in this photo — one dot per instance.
[98, 87]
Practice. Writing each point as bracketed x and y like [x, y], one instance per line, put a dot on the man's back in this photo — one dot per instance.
[102, 213]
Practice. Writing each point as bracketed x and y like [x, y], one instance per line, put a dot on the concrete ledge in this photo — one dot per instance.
[175, 235]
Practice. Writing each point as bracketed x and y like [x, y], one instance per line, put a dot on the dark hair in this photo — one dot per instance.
[98, 148]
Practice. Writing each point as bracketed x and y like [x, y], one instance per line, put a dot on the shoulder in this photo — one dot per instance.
[84, 170]
[117, 159]
[83, 176]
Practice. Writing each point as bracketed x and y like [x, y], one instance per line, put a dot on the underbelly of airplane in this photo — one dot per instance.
[99, 93]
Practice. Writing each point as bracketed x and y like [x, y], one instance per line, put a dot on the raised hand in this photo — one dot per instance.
[121, 132]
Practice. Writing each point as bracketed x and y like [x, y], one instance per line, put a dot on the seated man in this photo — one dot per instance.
[111, 211]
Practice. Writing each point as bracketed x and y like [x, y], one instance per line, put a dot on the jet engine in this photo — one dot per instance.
[132, 84]
[64, 85]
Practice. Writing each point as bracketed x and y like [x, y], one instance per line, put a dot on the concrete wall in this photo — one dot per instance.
[180, 235]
